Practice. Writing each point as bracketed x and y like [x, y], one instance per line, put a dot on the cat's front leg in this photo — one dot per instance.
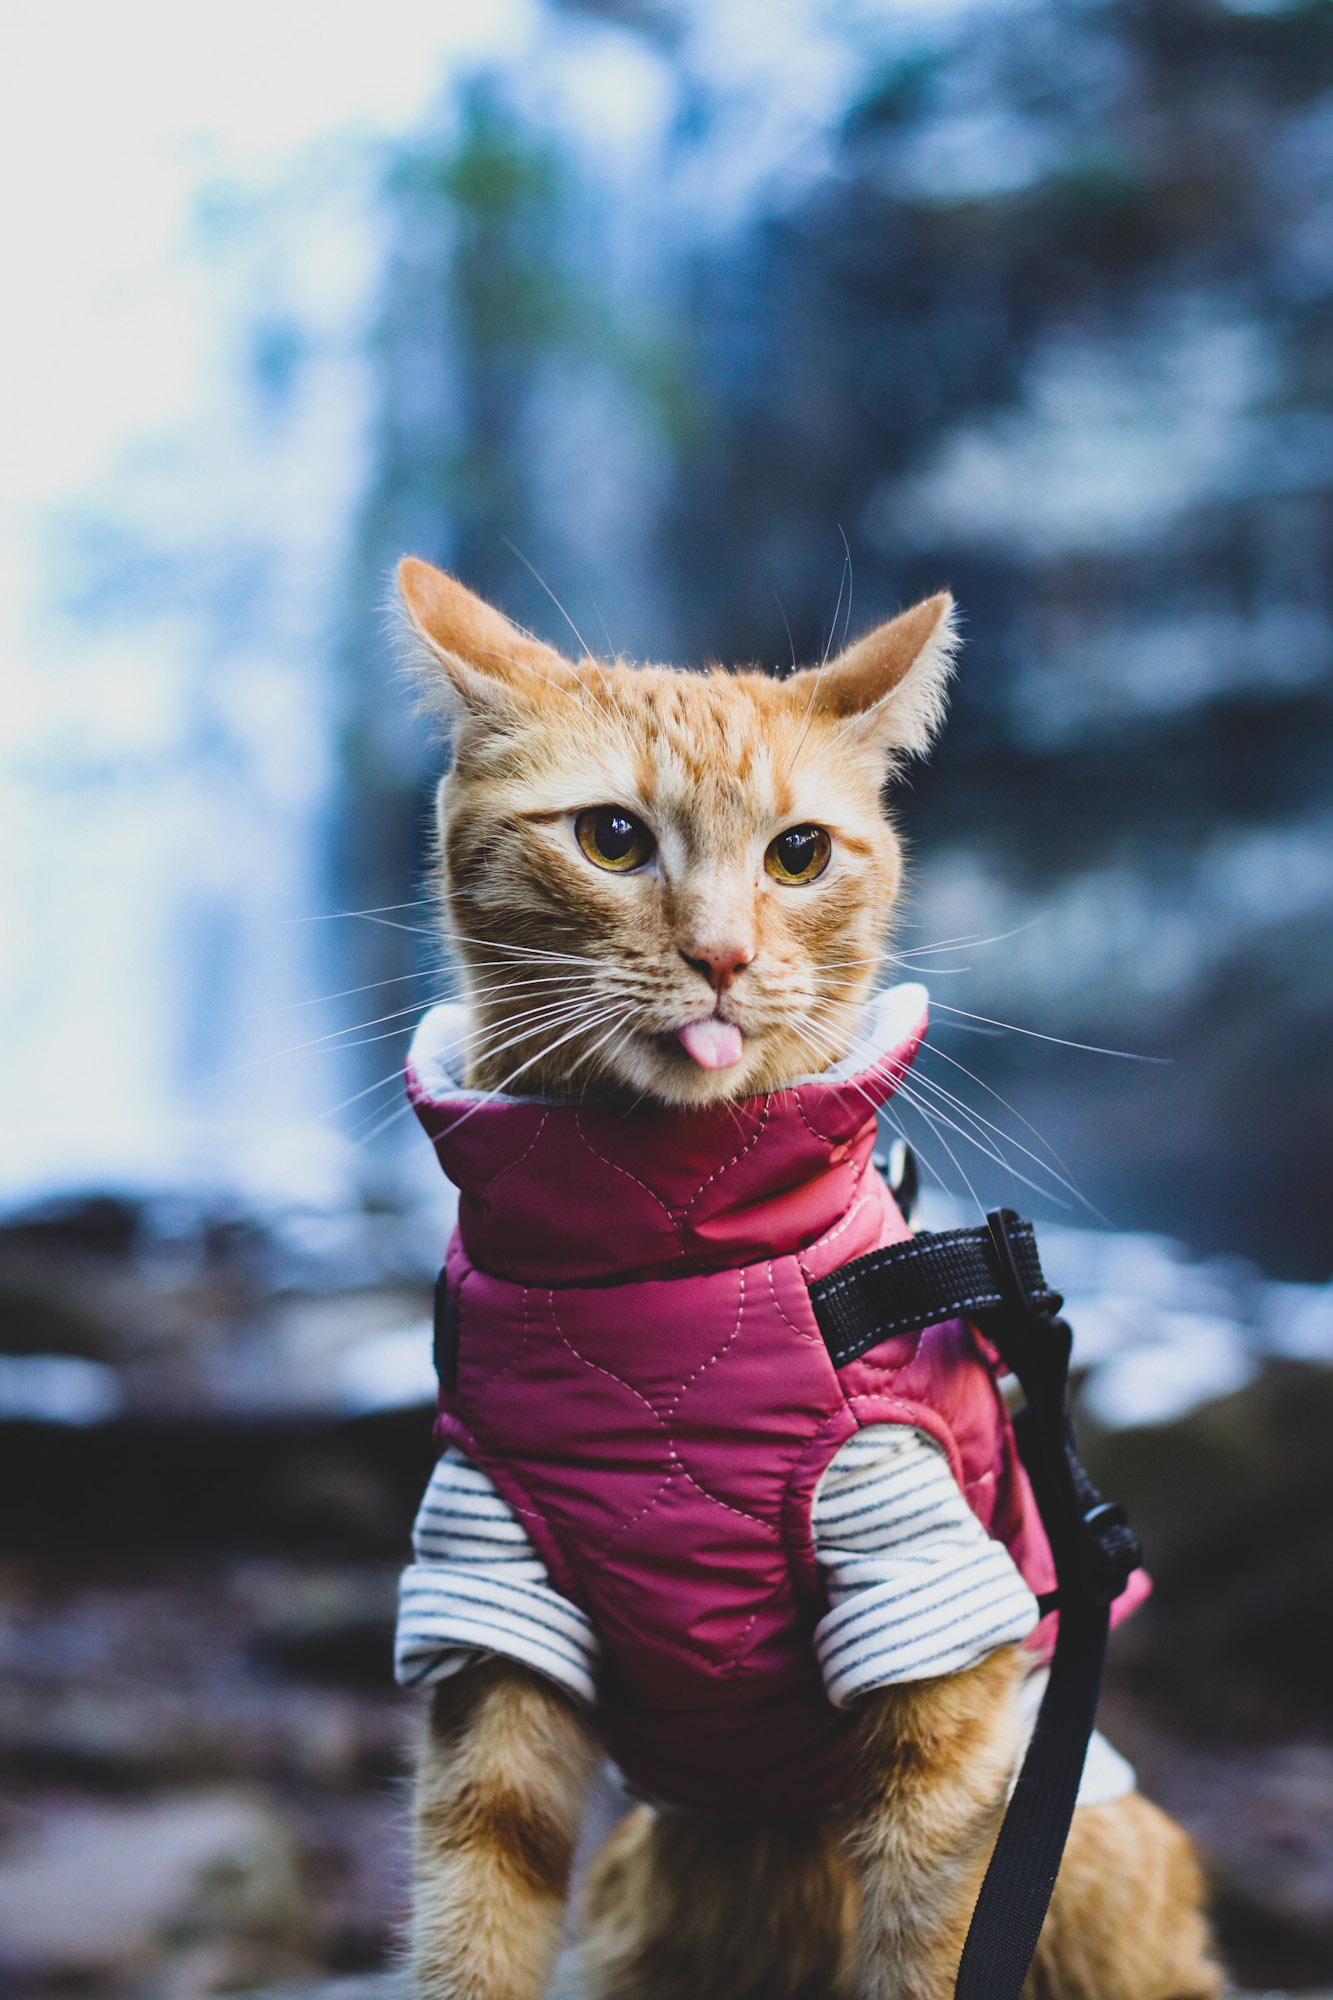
[938, 1756]
[500, 1790]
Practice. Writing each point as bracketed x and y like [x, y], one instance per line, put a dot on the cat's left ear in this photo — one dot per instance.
[891, 687]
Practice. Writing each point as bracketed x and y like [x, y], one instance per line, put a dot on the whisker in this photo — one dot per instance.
[395, 1075]
[851, 581]
[931, 1049]
[933, 1111]
[610, 643]
[532, 952]
[842, 578]
[921, 1080]
[331, 1043]
[1088, 1048]
[787, 628]
[969, 938]
[499, 1089]
[895, 1125]
[372, 917]
[376, 910]
[323, 999]
[920, 1108]
[533, 571]
[399, 1111]
[487, 1045]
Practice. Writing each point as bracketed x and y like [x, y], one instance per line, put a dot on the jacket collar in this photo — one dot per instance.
[554, 1193]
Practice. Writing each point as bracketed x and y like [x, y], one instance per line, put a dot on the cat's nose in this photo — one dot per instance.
[719, 963]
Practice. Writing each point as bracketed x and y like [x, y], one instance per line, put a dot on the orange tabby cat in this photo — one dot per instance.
[874, 1900]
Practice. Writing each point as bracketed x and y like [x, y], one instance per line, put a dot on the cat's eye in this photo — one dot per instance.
[613, 838]
[799, 854]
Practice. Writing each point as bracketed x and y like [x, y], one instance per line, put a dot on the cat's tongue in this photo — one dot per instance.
[714, 1044]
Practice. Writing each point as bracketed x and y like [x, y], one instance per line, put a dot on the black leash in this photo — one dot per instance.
[993, 1277]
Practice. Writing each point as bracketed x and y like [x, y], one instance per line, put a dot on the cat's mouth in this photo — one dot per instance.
[713, 1043]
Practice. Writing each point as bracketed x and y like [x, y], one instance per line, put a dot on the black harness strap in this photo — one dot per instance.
[993, 1276]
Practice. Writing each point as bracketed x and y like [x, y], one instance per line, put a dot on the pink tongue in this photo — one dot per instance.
[714, 1044]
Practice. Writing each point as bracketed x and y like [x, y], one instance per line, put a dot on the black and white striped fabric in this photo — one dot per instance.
[917, 1586]
[479, 1586]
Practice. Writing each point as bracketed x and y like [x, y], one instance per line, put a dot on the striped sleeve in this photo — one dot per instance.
[478, 1586]
[916, 1585]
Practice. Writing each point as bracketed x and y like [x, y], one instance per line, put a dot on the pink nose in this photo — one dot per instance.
[719, 963]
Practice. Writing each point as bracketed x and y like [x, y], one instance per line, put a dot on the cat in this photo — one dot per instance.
[671, 889]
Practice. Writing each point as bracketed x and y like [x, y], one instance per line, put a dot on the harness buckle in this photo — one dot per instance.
[1111, 1551]
[1096, 1549]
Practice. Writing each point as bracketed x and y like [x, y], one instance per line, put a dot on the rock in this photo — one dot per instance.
[185, 1894]
[331, 1624]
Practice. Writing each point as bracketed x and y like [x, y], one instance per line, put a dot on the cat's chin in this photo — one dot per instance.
[660, 1067]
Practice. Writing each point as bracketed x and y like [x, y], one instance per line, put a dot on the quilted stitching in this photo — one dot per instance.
[518, 1158]
[676, 1468]
[505, 1366]
[616, 1168]
[727, 1165]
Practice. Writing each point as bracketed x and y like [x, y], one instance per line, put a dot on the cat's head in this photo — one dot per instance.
[659, 882]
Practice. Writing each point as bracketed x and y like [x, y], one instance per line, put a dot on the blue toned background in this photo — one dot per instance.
[711, 331]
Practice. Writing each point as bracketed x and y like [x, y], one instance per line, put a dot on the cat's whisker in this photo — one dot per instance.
[367, 1041]
[559, 1007]
[616, 721]
[488, 1046]
[843, 577]
[932, 1049]
[506, 1034]
[968, 938]
[386, 924]
[983, 1146]
[934, 1112]
[895, 1125]
[333, 1042]
[851, 585]
[616, 1028]
[533, 952]
[998, 1134]
[499, 1089]
[395, 1075]
[324, 999]
[979, 1135]
[535, 573]
[1088, 1048]
[375, 910]
[534, 980]
[924, 1113]
[787, 628]
[807, 717]
[399, 1111]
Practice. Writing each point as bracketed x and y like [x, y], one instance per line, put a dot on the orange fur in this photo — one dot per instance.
[577, 979]
[716, 764]
[501, 1785]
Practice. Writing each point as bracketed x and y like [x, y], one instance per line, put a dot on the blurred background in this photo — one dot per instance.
[708, 330]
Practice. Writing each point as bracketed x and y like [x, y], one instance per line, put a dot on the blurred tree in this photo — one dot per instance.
[1047, 316]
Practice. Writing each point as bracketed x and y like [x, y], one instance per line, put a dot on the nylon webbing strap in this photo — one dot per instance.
[993, 1276]
[953, 1274]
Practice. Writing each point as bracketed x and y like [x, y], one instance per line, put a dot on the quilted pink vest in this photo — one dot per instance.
[640, 1373]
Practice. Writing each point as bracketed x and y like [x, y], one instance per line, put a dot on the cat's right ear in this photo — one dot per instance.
[472, 652]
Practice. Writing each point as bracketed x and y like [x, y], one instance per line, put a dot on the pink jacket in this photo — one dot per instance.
[640, 1374]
